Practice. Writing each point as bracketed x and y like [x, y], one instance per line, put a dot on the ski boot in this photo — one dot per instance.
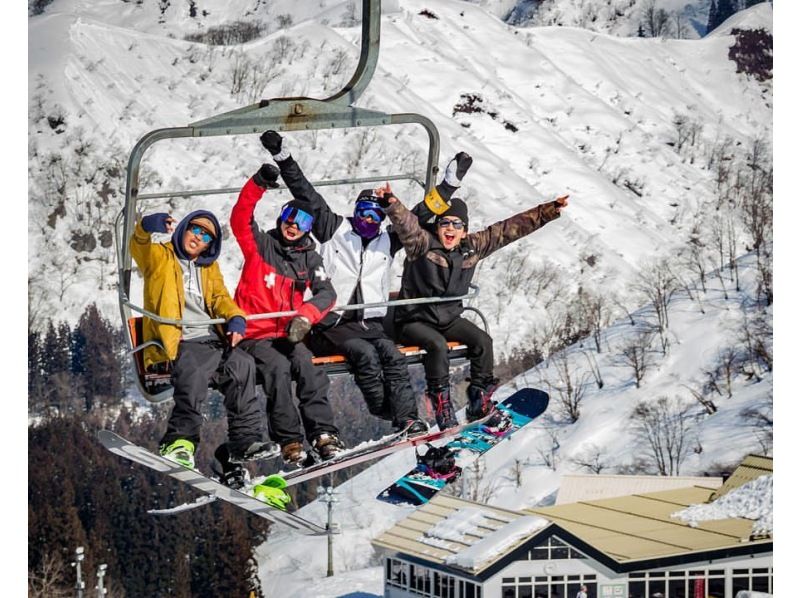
[442, 407]
[327, 445]
[271, 491]
[256, 450]
[180, 451]
[293, 454]
[230, 473]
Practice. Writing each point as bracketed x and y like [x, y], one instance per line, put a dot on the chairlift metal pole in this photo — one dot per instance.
[327, 495]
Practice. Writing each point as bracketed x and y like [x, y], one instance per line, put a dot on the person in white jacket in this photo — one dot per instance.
[358, 255]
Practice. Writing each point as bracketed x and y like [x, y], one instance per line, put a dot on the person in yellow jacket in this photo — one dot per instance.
[182, 281]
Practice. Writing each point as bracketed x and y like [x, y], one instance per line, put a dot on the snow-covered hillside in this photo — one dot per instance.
[526, 470]
[556, 110]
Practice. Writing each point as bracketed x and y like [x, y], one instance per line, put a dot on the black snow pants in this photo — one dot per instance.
[278, 363]
[433, 339]
[212, 362]
[379, 369]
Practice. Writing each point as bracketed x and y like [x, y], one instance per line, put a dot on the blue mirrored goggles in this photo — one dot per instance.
[302, 219]
[370, 208]
[199, 231]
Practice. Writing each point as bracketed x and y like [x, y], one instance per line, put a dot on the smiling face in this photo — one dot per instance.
[196, 240]
[290, 231]
[450, 231]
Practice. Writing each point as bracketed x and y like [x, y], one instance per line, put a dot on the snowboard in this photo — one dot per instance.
[423, 482]
[122, 447]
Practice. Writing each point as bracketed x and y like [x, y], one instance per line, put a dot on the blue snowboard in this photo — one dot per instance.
[421, 484]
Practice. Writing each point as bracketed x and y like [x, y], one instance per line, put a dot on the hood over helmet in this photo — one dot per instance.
[210, 255]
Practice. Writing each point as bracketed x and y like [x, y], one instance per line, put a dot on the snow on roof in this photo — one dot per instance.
[466, 521]
[752, 500]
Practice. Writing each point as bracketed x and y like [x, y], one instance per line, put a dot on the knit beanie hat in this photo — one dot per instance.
[457, 209]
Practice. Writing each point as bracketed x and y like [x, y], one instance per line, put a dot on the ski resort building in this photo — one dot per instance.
[625, 546]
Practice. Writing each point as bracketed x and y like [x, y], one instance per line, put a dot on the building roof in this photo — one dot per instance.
[576, 487]
[415, 535]
[623, 532]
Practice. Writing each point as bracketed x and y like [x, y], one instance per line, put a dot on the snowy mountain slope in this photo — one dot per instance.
[525, 470]
[593, 117]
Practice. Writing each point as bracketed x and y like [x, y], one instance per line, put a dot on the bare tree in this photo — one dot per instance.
[656, 20]
[569, 388]
[596, 312]
[549, 451]
[760, 419]
[702, 398]
[658, 284]
[49, 579]
[636, 355]
[594, 369]
[592, 459]
[664, 425]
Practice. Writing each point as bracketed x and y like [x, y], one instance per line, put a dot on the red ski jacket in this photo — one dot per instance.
[275, 276]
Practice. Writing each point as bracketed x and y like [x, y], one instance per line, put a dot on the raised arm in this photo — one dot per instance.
[326, 221]
[415, 239]
[143, 250]
[243, 224]
[437, 201]
[500, 234]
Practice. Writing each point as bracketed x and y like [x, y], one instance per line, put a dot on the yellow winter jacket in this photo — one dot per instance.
[164, 294]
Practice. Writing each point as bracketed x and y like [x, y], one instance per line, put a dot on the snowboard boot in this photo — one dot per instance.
[412, 427]
[293, 454]
[230, 473]
[442, 407]
[181, 451]
[256, 450]
[480, 400]
[327, 445]
[271, 491]
[438, 460]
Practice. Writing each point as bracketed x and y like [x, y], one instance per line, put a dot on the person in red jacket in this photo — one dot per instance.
[282, 272]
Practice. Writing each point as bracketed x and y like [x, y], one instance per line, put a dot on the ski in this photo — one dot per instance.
[367, 451]
[437, 468]
[122, 447]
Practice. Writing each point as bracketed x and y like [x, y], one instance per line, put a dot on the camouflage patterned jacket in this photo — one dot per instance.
[432, 271]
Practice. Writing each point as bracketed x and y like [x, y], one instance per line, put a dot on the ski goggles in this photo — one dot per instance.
[370, 208]
[199, 231]
[444, 223]
[302, 219]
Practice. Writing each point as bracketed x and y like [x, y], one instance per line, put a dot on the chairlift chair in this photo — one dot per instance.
[280, 114]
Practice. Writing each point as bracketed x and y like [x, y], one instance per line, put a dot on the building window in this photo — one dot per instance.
[548, 587]
[421, 581]
[696, 583]
[554, 548]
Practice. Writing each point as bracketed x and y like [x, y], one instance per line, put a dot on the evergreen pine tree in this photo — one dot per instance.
[95, 356]
[725, 9]
[712, 17]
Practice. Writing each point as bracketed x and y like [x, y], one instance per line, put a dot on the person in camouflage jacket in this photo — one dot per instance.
[442, 264]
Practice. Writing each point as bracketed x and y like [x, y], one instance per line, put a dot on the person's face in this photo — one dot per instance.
[196, 240]
[450, 231]
[290, 231]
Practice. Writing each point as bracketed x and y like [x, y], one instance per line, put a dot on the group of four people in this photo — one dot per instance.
[284, 272]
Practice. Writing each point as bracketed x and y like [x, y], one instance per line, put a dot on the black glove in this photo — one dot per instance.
[457, 168]
[272, 142]
[267, 176]
[156, 223]
[383, 201]
[298, 328]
